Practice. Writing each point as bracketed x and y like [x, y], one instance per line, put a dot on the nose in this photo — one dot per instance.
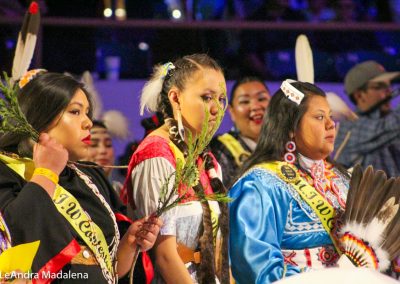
[330, 123]
[214, 108]
[101, 148]
[87, 123]
[256, 105]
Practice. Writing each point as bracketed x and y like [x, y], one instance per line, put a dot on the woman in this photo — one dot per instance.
[289, 193]
[247, 104]
[46, 195]
[101, 151]
[182, 91]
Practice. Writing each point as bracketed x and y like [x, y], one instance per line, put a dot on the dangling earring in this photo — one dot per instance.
[289, 156]
[181, 129]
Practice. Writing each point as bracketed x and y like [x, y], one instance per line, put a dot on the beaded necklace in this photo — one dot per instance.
[321, 176]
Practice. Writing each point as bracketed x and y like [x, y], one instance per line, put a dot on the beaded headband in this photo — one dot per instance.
[166, 68]
[291, 92]
[28, 76]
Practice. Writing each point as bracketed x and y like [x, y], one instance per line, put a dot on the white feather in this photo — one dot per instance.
[151, 91]
[29, 49]
[15, 73]
[340, 110]
[384, 261]
[116, 123]
[304, 60]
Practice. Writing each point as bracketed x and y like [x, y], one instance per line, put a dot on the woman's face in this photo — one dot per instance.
[315, 136]
[101, 150]
[248, 107]
[71, 127]
[203, 91]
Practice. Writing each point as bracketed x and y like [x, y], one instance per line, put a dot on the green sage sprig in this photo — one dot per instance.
[12, 118]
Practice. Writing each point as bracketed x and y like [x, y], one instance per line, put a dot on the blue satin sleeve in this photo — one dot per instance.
[258, 214]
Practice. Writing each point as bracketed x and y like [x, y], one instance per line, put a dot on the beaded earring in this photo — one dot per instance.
[289, 155]
[181, 128]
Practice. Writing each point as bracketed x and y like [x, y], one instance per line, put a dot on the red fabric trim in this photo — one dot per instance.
[151, 147]
[308, 257]
[55, 264]
[122, 218]
[147, 267]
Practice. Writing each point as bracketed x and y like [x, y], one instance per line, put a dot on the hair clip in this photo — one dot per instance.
[166, 68]
[28, 76]
[291, 92]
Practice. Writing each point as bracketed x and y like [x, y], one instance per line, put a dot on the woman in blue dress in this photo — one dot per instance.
[290, 193]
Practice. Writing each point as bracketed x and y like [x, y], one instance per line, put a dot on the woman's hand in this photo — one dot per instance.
[49, 154]
[146, 232]
[140, 234]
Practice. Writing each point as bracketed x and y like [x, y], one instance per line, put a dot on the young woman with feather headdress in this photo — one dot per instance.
[184, 91]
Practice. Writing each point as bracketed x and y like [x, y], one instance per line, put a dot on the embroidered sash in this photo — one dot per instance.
[69, 207]
[325, 212]
[234, 147]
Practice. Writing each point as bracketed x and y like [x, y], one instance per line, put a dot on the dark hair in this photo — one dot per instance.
[151, 123]
[41, 100]
[244, 80]
[281, 119]
[99, 124]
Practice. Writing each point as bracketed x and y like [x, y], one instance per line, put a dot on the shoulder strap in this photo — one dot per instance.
[234, 147]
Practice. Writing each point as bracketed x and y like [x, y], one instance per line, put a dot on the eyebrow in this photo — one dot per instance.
[209, 91]
[79, 104]
[321, 110]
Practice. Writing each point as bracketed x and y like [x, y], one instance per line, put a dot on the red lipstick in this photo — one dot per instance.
[87, 140]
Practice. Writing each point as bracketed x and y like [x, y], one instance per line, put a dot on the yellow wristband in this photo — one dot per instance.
[46, 173]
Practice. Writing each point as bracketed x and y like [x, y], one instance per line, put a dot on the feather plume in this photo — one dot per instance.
[370, 231]
[340, 110]
[116, 123]
[305, 73]
[87, 80]
[304, 60]
[151, 90]
[26, 42]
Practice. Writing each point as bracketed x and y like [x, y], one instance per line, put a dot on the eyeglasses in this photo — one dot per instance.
[379, 86]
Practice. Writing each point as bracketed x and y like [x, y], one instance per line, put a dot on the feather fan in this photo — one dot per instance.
[26, 42]
[371, 221]
[304, 60]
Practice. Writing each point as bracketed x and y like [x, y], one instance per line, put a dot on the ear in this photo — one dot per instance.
[173, 96]
[291, 135]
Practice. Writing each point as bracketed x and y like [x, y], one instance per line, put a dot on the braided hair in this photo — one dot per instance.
[184, 69]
